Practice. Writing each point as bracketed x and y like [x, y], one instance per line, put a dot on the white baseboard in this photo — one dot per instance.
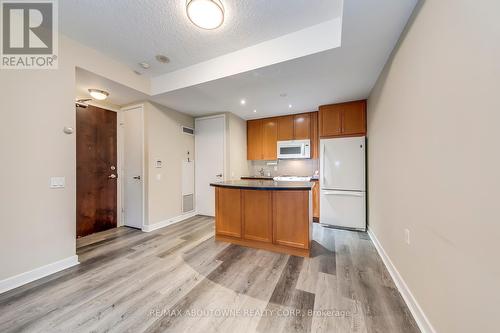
[422, 321]
[37, 273]
[163, 224]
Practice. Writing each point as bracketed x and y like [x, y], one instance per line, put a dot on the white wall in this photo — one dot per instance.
[37, 224]
[434, 162]
[165, 142]
[237, 165]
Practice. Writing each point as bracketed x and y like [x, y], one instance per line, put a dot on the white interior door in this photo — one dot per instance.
[133, 167]
[342, 163]
[209, 160]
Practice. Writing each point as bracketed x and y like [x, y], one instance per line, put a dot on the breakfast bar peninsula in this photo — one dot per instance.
[265, 214]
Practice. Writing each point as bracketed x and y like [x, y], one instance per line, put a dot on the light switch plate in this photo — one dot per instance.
[57, 182]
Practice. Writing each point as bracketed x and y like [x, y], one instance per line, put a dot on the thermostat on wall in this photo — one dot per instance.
[158, 164]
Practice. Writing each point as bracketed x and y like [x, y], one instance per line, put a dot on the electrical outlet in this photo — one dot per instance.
[407, 236]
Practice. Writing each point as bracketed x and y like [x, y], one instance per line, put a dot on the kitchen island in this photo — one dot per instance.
[264, 214]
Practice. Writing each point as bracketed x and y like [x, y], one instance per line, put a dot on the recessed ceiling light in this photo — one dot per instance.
[289, 106]
[162, 59]
[144, 65]
[98, 94]
[254, 111]
[243, 102]
[205, 14]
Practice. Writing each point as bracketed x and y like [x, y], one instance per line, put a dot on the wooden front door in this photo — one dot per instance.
[96, 170]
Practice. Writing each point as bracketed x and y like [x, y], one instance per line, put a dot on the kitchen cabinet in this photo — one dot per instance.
[302, 126]
[228, 211]
[269, 138]
[285, 128]
[315, 199]
[314, 136]
[254, 139]
[257, 215]
[264, 134]
[289, 227]
[345, 119]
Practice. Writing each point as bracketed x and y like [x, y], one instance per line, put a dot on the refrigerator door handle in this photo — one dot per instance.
[345, 193]
[323, 167]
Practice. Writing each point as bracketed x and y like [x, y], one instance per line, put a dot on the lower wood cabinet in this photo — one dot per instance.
[257, 215]
[315, 199]
[290, 211]
[228, 211]
[265, 219]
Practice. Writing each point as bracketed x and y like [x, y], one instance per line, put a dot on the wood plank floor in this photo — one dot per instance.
[179, 279]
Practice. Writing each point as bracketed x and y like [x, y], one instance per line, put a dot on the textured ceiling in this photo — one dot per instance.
[370, 30]
[133, 31]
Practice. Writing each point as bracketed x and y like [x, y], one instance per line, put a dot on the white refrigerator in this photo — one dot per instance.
[343, 182]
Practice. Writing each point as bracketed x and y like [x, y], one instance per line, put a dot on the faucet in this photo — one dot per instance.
[261, 172]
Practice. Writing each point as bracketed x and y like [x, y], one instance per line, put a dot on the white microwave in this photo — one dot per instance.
[294, 149]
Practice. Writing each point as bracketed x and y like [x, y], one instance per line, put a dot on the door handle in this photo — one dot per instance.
[112, 176]
[219, 175]
[137, 177]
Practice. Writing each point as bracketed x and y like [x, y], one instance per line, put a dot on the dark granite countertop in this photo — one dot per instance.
[269, 185]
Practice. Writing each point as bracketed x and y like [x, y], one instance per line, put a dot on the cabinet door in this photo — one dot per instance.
[254, 139]
[257, 215]
[314, 136]
[354, 118]
[285, 128]
[291, 226]
[302, 126]
[330, 120]
[315, 198]
[269, 138]
[228, 212]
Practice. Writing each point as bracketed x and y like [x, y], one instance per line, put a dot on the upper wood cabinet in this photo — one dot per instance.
[314, 136]
[264, 134]
[262, 138]
[345, 119]
[285, 128]
[302, 126]
[254, 139]
[269, 138]
[294, 127]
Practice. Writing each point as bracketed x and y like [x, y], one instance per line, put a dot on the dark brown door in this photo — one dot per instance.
[96, 173]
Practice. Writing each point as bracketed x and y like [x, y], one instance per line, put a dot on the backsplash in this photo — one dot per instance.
[305, 167]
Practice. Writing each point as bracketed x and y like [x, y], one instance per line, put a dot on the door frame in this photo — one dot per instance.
[224, 166]
[121, 161]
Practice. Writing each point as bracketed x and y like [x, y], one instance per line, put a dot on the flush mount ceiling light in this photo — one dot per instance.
[98, 94]
[205, 14]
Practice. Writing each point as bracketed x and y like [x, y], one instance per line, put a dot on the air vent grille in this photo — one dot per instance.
[187, 130]
[187, 203]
